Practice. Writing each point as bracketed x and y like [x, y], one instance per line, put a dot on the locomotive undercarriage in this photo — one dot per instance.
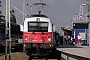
[39, 49]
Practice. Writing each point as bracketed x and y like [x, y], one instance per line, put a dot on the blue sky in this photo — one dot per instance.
[61, 12]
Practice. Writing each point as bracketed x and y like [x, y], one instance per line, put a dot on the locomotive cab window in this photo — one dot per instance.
[37, 26]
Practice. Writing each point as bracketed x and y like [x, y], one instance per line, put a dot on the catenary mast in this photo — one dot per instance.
[8, 29]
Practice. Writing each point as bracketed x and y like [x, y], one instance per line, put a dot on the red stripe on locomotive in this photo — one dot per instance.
[37, 37]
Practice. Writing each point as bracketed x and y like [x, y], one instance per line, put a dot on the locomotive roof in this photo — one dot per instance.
[38, 15]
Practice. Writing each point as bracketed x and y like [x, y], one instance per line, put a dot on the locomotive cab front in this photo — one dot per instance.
[38, 34]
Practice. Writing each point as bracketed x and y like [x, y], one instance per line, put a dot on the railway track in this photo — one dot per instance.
[23, 56]
[54, 55]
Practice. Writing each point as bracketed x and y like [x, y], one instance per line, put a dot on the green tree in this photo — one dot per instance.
[12, 16]
[0, 4]
[2, 18]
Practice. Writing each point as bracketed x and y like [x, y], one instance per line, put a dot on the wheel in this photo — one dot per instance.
[45, 58]
[30, 58]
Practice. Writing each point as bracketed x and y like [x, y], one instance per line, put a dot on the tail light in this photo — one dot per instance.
[49, 38]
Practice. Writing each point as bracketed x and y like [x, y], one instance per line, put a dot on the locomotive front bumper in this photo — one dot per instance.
[45, 45]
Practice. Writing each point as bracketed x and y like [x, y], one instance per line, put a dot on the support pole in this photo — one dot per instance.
[9, 31]
[24, 10]
[88, 18]
[6, 31]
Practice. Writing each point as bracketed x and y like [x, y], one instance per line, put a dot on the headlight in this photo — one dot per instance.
[50, 45]
[49, 38]
[26, 38]
[24, 45]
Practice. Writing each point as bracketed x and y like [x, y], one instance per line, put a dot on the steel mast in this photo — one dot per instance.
[8, 29]
[88, 17]
[87, 9]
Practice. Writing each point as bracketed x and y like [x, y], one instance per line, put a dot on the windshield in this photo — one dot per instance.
[37, 26]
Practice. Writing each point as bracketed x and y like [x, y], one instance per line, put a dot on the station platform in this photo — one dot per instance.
[82, 51]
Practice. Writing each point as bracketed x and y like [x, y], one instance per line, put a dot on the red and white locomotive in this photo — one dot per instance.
[38, 36]
[38, 33]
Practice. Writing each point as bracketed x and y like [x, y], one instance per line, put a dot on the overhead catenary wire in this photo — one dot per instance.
[3, 12]
[50, 15]
[46, 12]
